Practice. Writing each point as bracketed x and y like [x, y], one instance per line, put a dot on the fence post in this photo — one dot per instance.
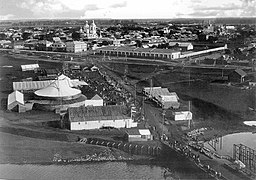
[141, 149]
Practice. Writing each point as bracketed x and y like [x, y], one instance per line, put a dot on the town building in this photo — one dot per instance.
[237, 76]
[43, 45]
[183, 45]
[130, 51]
[95, 117]
[58, 46]
[76, 46]
[138, 135]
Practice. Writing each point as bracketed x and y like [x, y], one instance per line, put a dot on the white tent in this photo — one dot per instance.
[14, 99]
[61, 87]
[29, 67]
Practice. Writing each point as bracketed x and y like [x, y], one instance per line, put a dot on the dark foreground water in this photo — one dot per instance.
[104, 170]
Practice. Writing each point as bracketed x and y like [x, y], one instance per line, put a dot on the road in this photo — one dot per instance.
[154, 118]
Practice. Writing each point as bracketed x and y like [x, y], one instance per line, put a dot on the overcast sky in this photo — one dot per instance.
[125, 9]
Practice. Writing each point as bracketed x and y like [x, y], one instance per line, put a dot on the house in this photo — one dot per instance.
[138, 135]
[94, 101]
[76, 46]
[184, 45]
[29, 67]
[237, 76]
[58, 46]
[95, 117]
[16, 100]
[43, 45]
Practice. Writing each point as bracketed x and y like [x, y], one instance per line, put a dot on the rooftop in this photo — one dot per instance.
[96, 113]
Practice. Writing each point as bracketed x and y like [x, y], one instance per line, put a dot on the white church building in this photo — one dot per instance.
[89, 31]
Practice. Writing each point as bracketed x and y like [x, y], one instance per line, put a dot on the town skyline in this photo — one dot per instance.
[126, 9]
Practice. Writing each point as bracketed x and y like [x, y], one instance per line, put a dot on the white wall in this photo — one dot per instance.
[175, 55]
[203, 52]
[93, 102]
[76, 46]
[122, 123]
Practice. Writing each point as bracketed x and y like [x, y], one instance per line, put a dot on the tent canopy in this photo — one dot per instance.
[61, 87]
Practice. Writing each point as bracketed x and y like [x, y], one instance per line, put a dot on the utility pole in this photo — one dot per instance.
[135, 95]
[189, 123]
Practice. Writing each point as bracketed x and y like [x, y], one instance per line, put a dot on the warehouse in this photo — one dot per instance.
[162, 97]
[95, 117]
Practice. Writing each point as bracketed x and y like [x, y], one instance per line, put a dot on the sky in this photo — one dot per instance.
[125, 9]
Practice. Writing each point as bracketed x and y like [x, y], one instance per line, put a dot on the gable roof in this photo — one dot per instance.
[96, 97]
[97, 113]
[240, 72]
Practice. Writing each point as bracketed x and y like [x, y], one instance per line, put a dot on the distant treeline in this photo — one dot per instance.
[104, 22]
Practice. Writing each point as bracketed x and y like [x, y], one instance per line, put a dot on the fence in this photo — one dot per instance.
[131, 148]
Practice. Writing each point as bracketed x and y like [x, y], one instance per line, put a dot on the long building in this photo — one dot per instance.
[95, 117]
[131, 51]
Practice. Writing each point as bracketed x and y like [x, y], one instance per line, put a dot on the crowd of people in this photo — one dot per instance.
[110, 90]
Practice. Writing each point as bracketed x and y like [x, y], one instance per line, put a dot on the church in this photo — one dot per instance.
[89, 31]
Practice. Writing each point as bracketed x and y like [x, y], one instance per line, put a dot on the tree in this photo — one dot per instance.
[76, 36]
[26, 35]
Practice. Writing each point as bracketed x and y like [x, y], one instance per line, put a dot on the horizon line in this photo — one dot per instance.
[28, 19]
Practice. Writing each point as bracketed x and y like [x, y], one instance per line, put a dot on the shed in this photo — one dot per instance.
[138, 135]
[237, 76]
[182, 116]
[16, 99]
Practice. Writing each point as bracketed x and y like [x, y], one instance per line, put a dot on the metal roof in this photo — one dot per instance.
[97, 113]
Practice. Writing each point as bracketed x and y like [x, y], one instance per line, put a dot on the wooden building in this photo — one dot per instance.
[237, 76]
